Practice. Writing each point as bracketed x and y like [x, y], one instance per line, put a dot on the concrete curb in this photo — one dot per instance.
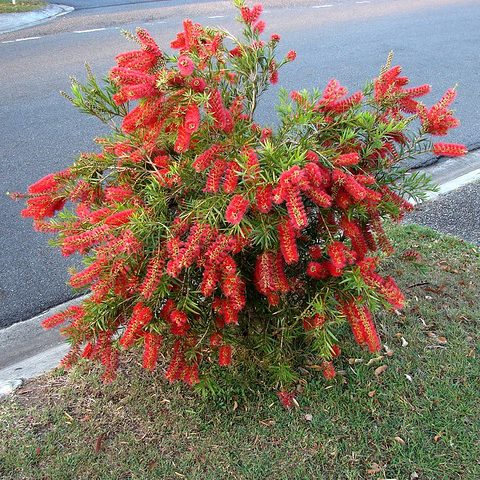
[27, 350]
[10, 22]
[453, 173]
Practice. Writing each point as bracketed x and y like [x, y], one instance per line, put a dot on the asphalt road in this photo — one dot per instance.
[437, 41]
[455, 213]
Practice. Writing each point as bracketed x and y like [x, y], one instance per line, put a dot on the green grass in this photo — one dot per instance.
[362, 426]
[6, 6]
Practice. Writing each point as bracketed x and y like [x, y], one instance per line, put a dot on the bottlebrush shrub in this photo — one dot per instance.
[210, 240]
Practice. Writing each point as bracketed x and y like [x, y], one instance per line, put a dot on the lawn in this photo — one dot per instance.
[416, 417]
[6, 6]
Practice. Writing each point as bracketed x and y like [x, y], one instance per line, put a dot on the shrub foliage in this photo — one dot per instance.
[209, 239]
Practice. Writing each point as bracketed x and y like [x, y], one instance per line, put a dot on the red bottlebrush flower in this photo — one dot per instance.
[220, 248]
[42, 207]
[198, 84]
[71, 358]
[286, 398]
[250, 16]
[318, 271]
[87, 276]
[412, 255]
[148, 43]
[87, 351]
[336, 252]
[384, 85]
[333, 270]
[348, 182]
[98, 215]
[141, 316]
[291, 55]
[266, 133]
[353, 231]
[329, 371]
[332, 93]
[236, 52]
[118, 194]
[185, 65]
[315, 251]
[264, 277]
[361, 322]
[449, 149]
[345, 104]
[134, 78]
[183, 139]
[152, 342]
[279, 278]
[318, 196]
[346, 159]
[392, 293]
[395, 198]
[273, 79]
[263, 199]
[192, 118]
[217, 108]
[288, 244]
[119, 218]
[205, 159]
[236, 209]
[210, 280]
[74, 313]
[317, 176]
[137, 60]
[190, 375]
[275, 37]
[177, 364]
[153, 276]
[259, 27]
[225, 355]
[215, 176]
[228, 124]
[230, 314]
[47, 184]
[215, 339]
[252, 166]
[438, 119]
[178, 322]
[130, 92]
[230, 181]
[310, 323]
[296, 208]
[311, 156]
[83, 241]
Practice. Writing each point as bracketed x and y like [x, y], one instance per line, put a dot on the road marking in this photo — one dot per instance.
[63, 13]
[88, 31]
[217, 16]
[323, 6]
[8, 41]
[26, 38]
[364, 1]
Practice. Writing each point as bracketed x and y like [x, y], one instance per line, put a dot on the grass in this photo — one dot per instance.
[417, 419]
[6, 6]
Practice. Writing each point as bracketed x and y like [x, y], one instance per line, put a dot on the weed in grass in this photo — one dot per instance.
[6, 6]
